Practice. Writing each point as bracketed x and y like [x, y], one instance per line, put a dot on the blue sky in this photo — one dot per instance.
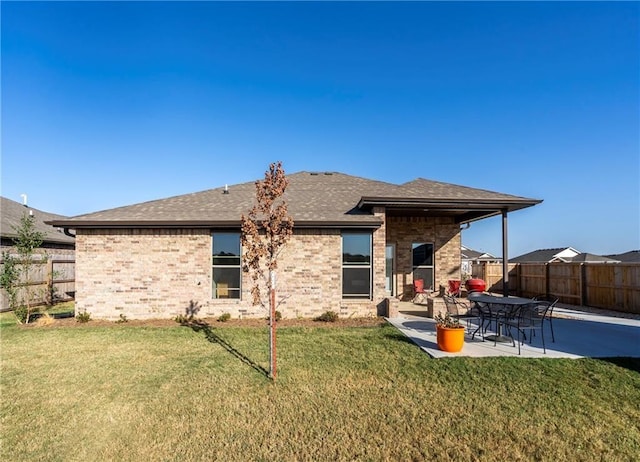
[115, 103]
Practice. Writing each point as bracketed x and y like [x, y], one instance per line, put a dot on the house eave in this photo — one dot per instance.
[208, 224]
[466, 204]
[463, 211]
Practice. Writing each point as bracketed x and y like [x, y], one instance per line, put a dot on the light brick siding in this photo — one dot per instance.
[160, 273]
[443, 232]
[142, 273]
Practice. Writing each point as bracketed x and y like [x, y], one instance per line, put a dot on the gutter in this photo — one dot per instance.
[128, 224]
[462, 205]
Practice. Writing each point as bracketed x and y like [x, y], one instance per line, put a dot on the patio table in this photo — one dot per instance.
[499, 307]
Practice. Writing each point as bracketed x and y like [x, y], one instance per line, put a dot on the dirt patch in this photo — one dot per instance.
[213, 322]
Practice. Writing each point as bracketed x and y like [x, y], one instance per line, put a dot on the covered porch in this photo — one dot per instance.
[422, 236]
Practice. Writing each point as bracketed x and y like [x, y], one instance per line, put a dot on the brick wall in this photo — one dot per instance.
[160, 273]
[142, 273]
[443, 232]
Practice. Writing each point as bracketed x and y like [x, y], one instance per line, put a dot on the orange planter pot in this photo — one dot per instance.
[450, 339]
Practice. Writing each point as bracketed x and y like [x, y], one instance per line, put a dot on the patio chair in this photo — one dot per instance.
[419, 292]
[460, 310]
[486, 317]
[531, 318]
[552, 299]
[454, 288]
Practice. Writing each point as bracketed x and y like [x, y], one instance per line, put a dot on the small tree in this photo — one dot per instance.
[9, 278]
[265, 230]
[16, 275]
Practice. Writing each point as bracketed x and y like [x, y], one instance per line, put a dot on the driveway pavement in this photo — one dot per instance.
[578, 334]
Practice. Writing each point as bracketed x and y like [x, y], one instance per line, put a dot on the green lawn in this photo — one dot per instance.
[127, 393]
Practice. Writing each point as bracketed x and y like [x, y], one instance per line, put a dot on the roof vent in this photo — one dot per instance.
[328, 173]
[226, 189]
[24, 199]
[314, 174]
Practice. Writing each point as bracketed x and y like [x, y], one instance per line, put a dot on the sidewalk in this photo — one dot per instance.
[578, 334]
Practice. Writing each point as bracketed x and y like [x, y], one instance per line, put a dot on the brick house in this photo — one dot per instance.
[356, 243]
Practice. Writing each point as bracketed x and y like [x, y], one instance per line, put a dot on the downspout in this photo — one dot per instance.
[67, 233]
[505, 256]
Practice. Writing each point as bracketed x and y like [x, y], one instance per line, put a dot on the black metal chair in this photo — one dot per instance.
[528, 318]
[458, 309]
[552, 299]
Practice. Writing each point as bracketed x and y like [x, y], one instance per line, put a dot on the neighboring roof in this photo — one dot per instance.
[565, 254]
[540, 256]
[314, 199]
[11, 212]
[470, 254]
[591, 258]
[633, 256]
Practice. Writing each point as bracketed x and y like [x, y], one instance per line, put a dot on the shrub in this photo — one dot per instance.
[22, 313]
[224, 317]
[83, 317]
[181, 319]
[278, 316]
[328, 316]
[122, 319]
[447, 321]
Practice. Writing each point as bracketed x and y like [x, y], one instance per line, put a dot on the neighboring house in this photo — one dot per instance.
[561, 255]
[633, 256]
[356, 242]
[55, 240]
[469, 256]
[564, 254]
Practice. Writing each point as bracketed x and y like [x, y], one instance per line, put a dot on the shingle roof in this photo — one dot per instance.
[12, 212]
[633, 256]
[537, 256]
[468, 254]
[592, 258]
[314, 199]
[547, 255]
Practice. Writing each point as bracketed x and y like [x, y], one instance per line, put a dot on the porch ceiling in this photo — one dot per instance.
[463, 212]
[460, 216]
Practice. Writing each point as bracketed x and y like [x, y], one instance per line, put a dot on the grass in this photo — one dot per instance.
[131, 393]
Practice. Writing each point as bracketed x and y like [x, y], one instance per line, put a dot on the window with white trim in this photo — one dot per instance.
[356, 265]
[227, 271]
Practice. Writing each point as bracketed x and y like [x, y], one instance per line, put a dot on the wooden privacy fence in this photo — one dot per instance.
[613, 286]
[52, 280]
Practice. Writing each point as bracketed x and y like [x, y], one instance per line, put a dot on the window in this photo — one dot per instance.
[356, 265]
[422, 263]
[226, 265]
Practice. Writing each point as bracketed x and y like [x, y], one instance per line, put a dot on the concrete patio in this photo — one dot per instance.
[578, 333]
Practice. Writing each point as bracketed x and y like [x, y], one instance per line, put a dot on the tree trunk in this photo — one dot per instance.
[272, 328]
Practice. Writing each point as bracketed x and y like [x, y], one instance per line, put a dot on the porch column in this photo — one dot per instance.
[379, 257]
[505, 255]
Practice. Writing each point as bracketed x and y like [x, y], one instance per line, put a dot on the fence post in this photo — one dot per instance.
[546, 278]
[583, 285]
[49, 295]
